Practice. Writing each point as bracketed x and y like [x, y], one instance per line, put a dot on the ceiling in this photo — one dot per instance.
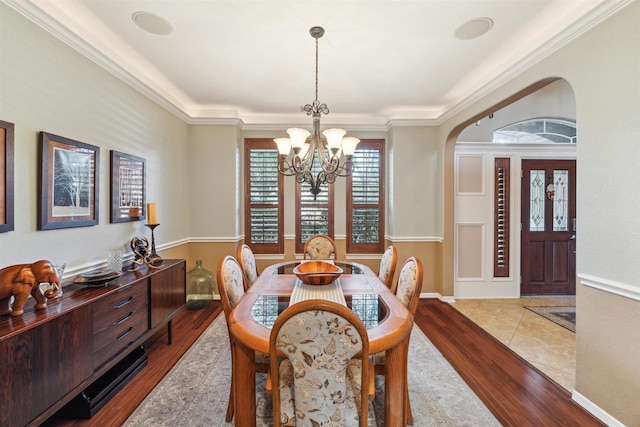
[252, 63]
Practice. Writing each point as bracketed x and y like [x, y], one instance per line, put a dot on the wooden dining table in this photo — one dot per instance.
[388, 324]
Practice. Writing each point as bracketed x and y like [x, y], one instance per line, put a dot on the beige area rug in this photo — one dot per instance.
[195, 391]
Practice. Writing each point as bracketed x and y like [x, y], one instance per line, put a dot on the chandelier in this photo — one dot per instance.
[297, 153]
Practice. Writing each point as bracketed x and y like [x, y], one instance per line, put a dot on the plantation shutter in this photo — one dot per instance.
[313, 216]
[365, 199]
[263, 222]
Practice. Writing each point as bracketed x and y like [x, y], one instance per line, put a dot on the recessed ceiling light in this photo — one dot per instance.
[152, 23]
[474, 28]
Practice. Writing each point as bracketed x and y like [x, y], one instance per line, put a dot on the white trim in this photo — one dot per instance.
[269, 256]
[230, 239]
[415, 239]
[610, 286]
[595, 410]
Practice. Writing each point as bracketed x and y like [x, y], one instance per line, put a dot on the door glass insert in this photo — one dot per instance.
[537, 199]
[560, 200]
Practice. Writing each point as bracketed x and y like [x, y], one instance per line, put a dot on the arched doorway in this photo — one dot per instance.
[486, 187]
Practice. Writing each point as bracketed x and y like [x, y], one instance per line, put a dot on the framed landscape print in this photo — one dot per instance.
[6, 176]
[69, 173]
[128, 187]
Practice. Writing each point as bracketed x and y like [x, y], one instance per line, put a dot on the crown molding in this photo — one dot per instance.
[207, 115]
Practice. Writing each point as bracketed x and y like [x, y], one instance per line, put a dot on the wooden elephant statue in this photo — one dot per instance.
[20, 280]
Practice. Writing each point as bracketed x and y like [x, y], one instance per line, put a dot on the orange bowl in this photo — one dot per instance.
[317, 272]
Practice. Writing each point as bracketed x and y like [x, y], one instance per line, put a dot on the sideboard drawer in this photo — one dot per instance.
[118, 320]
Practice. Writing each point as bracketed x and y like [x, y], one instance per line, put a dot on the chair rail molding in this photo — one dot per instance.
[610, 286]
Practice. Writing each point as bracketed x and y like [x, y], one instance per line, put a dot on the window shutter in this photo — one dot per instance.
[263, 199]
[313, 216]
[365, 199]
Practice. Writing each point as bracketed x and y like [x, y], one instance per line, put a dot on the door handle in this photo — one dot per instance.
[572, 237]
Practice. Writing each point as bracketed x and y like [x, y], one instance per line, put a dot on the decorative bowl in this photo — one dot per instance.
[317, 272]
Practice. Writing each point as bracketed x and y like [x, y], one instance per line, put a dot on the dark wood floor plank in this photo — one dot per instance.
[515, 392]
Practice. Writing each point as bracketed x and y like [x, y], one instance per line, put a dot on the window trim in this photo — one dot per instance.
[261, 248]
[367, 248]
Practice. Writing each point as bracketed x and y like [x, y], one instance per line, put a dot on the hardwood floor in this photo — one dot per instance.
[516, 393]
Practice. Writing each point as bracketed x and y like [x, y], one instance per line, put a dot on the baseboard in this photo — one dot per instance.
[437, 295]
[595, 410]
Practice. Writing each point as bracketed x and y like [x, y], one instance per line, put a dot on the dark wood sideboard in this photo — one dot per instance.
[49, 356]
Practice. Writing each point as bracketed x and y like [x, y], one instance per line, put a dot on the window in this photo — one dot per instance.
[264, 229]
[365, 199]
[313, 215]
[538, 131]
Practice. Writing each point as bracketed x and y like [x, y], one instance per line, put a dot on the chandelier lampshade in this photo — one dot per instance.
[299, 151]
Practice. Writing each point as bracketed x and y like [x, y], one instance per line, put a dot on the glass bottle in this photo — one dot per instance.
[200, 287]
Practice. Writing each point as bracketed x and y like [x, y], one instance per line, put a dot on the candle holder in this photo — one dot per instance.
[154, 258]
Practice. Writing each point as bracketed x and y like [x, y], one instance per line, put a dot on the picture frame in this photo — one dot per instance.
[7, 135]
[128, 187]
[68, 182]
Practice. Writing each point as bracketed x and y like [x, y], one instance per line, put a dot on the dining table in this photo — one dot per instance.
[387, 320]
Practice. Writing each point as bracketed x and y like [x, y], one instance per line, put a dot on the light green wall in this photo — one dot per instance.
[415, 186]
[214, 182]
[47, 86]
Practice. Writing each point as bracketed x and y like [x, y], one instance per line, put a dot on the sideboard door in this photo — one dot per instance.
[41, 365]
[168, 293]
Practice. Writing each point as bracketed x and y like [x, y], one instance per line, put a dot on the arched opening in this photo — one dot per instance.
[514, 235]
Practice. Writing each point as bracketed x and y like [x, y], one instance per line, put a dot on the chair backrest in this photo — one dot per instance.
[409, 284]
[320, 246]
[248, 263]
[319, 361]
[388, 266]
[231, 283]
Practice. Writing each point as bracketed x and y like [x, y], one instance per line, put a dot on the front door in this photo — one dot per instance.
[548, 262]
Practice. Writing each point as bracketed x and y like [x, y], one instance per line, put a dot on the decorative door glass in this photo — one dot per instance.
[537, 200]
[560, 200]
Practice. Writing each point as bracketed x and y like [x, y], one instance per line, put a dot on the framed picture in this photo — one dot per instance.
[128, 187]
[69, 173]
[6, 176]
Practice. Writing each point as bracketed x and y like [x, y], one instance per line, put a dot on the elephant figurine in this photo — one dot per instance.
[20, 280]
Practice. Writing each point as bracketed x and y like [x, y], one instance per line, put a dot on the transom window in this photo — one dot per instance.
[538, 131]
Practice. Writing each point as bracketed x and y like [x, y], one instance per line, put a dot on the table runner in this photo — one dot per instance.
[330, 292]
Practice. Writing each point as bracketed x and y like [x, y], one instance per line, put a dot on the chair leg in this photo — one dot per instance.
[229, 415]
[232, 391]
[407, 408]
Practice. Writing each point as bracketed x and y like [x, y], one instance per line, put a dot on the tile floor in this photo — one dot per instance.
[546, 345]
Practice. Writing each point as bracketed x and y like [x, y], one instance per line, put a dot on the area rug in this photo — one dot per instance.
[564, 316]
[195, 391]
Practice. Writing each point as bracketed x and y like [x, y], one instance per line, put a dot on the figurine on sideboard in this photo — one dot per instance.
[20, 280]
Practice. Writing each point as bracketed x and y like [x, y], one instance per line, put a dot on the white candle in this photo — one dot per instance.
[152, 213]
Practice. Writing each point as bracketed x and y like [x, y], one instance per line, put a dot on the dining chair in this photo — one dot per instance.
[232, 287]
[319, 353]
[407, 289]
[248, 263]
[388, 266]
[320, 246]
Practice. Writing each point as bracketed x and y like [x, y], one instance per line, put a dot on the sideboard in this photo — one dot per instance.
[49, 356]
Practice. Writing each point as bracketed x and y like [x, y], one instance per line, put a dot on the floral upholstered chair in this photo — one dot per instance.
[248, 262]
[407, 290]
[319, 361]
[388, 266]
[232, 286]
[320, 246]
